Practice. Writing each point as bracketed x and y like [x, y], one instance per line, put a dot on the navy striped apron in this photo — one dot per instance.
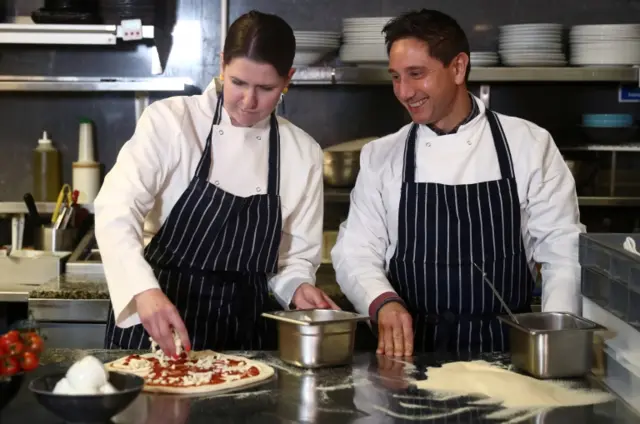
[442, 231]
[212, 258]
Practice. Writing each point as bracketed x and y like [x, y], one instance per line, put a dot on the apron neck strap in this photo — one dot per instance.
[204, 166]
[503, 152]
[502, 148]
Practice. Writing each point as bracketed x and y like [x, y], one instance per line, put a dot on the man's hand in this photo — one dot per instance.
[395, 331]
[308, 296]
[160, 318]
[392, 372]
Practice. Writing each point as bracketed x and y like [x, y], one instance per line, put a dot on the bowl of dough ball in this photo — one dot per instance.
[87, 392]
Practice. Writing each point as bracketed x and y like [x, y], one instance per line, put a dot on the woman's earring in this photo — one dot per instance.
[281, 102]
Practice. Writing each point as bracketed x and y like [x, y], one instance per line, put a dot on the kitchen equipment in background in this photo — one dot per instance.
[342, 162]
[312, 46]
[605, 45]
[584, 173]
[364, 41]
[316, 338]
[609, 128]
[552, 344]
[532, 45]
[86, 171]
[50, 239]
[31, 267]
[607, 120]
[34, 215]
[481, 59]
[328, 241]
[47, 171]
[341, 168]
[115, 11]
[67, 12]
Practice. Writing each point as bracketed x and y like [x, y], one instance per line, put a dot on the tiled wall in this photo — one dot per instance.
[337, 113]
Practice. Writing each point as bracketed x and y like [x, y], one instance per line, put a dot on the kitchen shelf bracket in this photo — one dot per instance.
[128, 30]
[485, 94]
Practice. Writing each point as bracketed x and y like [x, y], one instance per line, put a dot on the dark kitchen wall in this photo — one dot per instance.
[330, 114]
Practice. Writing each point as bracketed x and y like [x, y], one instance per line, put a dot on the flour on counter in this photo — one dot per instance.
[409, 368]
[423, 417]
[517, 394]
[236, 395]
[289, 369]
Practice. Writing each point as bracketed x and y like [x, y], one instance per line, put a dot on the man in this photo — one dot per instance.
[460, 193]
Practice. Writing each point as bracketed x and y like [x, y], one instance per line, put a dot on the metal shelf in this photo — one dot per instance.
[371, 75]
[37, 83]
[342, 196]
[609, 201]
[632, 147]
[71, 34]
[16, 208]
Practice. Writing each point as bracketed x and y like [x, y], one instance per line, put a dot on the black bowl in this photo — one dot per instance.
[9, 387]
[87, 408]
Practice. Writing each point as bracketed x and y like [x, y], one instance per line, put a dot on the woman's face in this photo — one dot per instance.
[251, 90]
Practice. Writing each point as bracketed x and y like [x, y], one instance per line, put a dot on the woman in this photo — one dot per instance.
[233, 196]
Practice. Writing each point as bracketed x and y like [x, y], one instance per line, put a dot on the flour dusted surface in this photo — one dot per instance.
[502, 387]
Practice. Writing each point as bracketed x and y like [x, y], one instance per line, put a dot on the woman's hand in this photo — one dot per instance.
[160, 318]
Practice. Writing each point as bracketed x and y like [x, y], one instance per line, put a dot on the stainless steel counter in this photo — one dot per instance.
[16, 292]
[371, 390]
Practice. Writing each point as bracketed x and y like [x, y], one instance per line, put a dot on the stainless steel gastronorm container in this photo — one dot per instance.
[341, 168]
[552, 344]
[316, 338]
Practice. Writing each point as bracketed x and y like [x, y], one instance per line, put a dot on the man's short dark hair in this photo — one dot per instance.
[439, 31]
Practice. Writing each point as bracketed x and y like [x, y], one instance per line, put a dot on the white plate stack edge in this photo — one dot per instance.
[312, 46]
[532, 45]
[364, 41]
[605, 45]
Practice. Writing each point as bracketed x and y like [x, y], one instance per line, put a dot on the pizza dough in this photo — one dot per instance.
[194, 372]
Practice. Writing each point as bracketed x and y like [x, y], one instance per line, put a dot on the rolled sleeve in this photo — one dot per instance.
[554, 227]
[360, 251]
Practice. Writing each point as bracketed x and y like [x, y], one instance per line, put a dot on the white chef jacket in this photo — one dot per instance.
[155, 167]
[550, 217]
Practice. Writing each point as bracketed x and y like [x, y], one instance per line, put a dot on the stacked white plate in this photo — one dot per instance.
[605, 45]
[311, 46]
[363, 41]
[532, 45]
[480, 59]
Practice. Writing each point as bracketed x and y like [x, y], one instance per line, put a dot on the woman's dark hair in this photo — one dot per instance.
[439, 31]
[263, 38]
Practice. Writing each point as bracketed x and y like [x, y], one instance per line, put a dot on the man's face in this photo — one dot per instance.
[424, 86]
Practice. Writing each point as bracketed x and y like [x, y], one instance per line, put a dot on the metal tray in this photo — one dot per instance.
[315, 316]
[552, 344]
[315, 338]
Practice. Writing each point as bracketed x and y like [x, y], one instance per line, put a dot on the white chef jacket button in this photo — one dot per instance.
[469, 142]
[216, 182]
[220, 132]
[259, 138]
[258, 189]
[428, 144]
